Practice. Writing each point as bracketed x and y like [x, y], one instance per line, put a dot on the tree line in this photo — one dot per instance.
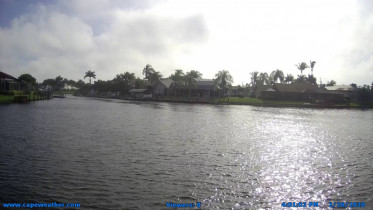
[126, 81]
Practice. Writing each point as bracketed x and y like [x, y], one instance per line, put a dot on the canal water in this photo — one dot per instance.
[114, 154]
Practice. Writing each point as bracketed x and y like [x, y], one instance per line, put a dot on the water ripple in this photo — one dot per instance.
[122, 155]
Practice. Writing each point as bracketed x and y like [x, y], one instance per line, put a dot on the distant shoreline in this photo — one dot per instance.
[242, 101]
[225, 101]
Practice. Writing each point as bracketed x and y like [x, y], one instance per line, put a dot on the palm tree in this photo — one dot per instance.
[277, 74]
[289, 78]
[128, 77]
[123, 82]
[90, 74]
[194, 74]
[223, 80]
[311, 79]
[148, 71]
[312, 64]
[155, 77]
[178, 77]
[302, 66]
[190, 79]
[254, 81]
[301, 78]
[59, 82]
[263, 78]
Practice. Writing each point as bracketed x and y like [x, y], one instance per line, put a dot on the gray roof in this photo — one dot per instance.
[263, 87]
[6, 76]
[270, 90]
[234, 87]
[166, 82]
[205, 82]
[137, 90]
[341, 87]
[297, 87]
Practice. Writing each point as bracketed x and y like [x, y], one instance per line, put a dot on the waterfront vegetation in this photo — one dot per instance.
[15, 95]
[122, 83]
[263, 102]
[6, 98]
[254, 102]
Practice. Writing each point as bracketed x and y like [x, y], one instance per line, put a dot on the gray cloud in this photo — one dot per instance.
[48, 42]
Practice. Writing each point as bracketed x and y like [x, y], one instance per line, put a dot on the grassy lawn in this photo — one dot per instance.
[354, 105]
[6, 98]
[10, 98]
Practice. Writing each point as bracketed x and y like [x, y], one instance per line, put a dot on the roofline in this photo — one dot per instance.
[7, 75]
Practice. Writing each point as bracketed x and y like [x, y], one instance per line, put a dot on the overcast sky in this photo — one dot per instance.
[69, 37]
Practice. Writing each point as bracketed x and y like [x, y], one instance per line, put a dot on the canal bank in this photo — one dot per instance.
[245, 101]
[23, 98]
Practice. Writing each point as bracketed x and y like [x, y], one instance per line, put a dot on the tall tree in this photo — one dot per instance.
[311, 79]
[122, 82]
[223, 80]
[277, 74]
[312, 65]
[254, 81]
[101, 86]
[28, 79]
[191, 76]
[178, 77]
[60, 82]
[289, 78]
[80, 84]
[302, 66]
[190, 79]
[155, 77]
[148, 71]
[90, 74]
[71, 83]
[263, 78]
[301, 78]
[128, 77]
[50, 82]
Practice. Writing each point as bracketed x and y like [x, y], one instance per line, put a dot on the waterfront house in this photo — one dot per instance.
[205, 87]
[200, 88]
[162, 87]
[350, 92]
[300, 91]
[236, 91]
[260, 89]
[8, 83]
